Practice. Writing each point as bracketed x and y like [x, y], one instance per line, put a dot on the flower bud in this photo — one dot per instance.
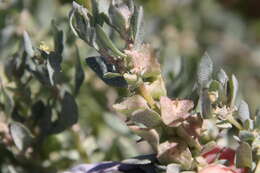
[120, 15]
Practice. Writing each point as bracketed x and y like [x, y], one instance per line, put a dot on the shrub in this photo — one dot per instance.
[210, 130]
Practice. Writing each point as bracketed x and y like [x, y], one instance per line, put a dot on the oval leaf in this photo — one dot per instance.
[147, 117]
[8, 100]
[79, 74]
[243, 112]
[244, 156]
[117, 18]
[138, 27]
[22, 137]
[106, 42]
[173, 168]
[131, 104]
[205, 70]
[233, 90]
[53, 66]
[222, 77]
[27, 44]
[58, 38]
[68, 115]
[257, 120]
[101, 66]
[246, 136]
[150, 135]
[206, 107]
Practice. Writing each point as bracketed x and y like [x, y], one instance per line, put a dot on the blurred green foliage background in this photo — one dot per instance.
[181, 31]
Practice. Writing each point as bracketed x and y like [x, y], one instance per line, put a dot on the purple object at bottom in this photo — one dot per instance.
[112, 167]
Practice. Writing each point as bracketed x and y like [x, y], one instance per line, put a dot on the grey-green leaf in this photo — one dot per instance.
[79, 74]
[136, 161]
[246, 136]
[205, 70]
[117, 18]
[8, 100]
[206, 108]
[243, 112]
[173, 168]
[223, 124]
[69, 111]
[222, 77]
[257, 120]
[45, 121]
[233, 90]
[215, 86]
[256, 146]
[81, 27]
[147, 117]
[27, 44]
[58, 38]
[131, 5]
[150, 135]
[244, 156]
[54, 66]
[95, 10]
[106, 42]
[22, 137]
[68, 115]
[138, 27]
[71, 16]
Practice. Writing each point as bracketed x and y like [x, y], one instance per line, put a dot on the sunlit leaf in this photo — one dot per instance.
[243, 112]
[138, 27]
[222, 77]
[156, 88]
[173, 168]
[22, 137]
[205, 70]
[233, 90]
[28, 44]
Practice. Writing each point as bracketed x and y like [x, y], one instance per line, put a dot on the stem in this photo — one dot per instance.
[232, 120]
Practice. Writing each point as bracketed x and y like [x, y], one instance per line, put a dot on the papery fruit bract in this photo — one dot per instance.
[217, 169]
